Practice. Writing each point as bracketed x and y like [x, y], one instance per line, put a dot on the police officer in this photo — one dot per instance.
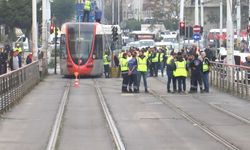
[205, 71]
[106, 63]
[180, 72]
[142, 70]
[86, 10]
[124, 72]
[196, 74]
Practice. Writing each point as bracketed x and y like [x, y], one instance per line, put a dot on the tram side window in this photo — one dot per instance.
[62, 47]
[98, 51]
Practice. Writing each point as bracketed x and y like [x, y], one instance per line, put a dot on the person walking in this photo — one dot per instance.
[142, 70]
[170, 77]
[106, 63]
[180, 72]
[86, 10]
[124, 72]
[205, 71]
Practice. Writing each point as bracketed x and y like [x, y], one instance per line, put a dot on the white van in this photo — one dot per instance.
[23, 41]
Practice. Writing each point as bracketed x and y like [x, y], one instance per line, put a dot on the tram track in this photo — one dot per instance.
[201, 125]
[110, 121]
[58, 122]
[220, 109]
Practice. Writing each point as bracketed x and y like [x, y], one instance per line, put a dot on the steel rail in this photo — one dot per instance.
[195, 122]
[220, 109]
[57, 124]
[111, 123]
[198, 124]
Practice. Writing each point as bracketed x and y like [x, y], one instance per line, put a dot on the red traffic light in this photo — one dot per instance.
[182, 24]
[52, 28]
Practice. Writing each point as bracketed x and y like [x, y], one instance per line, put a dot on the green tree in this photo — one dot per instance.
[17, 14]
[63, 11]
[133, 25]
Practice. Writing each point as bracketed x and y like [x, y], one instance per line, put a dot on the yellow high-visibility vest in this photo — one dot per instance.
[87, 5]
[124, 64]
[180, 69]
[155, 59]
[105, 60]
[142, 64]
[205, 66]
[169, 58]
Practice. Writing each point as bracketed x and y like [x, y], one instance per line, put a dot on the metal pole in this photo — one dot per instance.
[221, 20]
[44, 28]
[113, 11]
[118, 5]
[196, 14]
[238, 20]
[230, 34]
[181, 20]
[34, 29]
[55, 49]
[202, 20]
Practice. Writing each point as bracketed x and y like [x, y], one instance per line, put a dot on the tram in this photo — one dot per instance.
[81, 48]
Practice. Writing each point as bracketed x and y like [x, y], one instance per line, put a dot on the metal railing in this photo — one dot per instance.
[234, 79]
[14, 85]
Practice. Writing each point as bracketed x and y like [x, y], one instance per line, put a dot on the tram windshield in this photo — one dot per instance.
[80, 43]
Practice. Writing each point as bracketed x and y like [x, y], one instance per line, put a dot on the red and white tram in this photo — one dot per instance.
[81, 48]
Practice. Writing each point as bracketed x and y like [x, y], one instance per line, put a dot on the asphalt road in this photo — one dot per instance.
[146, 121]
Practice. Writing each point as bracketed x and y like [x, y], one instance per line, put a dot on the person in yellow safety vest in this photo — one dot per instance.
[205, 71]
[155, 62]
[170, 77]
[86, 10]
[181, 72]
[106, 63]
[124, 72]
[142, 70]
[20, 50]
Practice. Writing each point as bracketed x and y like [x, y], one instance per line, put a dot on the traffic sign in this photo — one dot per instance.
[196, 36]
[197, 29]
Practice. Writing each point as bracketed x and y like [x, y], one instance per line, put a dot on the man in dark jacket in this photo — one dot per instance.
[196, 74]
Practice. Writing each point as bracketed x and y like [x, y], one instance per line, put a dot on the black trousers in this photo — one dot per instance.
[125, 81]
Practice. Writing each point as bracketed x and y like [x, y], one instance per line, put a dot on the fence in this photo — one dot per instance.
[234, 79]
[14, 85]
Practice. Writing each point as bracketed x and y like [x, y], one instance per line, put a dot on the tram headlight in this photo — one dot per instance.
[94, 56]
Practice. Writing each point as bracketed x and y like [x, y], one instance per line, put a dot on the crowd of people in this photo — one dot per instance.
[149, 62]
[12, 59]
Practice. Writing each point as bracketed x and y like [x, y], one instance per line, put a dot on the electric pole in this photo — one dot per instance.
[34, 30]
[202, 20]
[181, 20]
[238, 21]
[221, 21]
[230, 34]
[113, 11]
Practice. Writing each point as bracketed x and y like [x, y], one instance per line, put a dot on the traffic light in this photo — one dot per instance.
[182, 28]
[52, 27]
[114, 33]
